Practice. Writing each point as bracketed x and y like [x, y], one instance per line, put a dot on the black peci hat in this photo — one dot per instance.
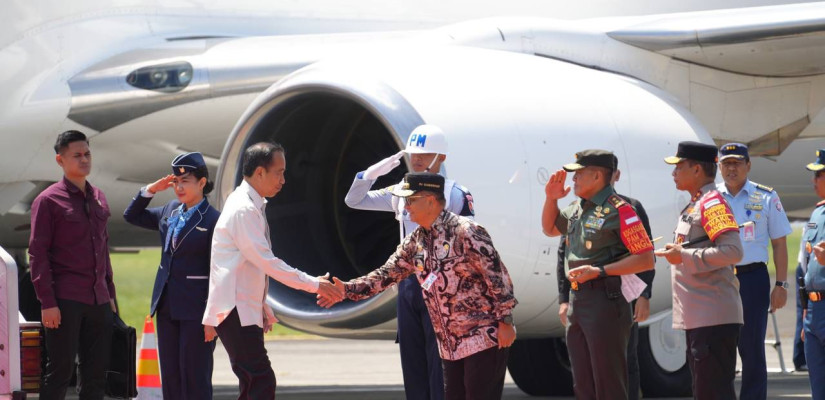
[419, 181]
[693, 151]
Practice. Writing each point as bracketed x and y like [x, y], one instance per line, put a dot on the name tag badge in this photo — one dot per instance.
[748, 232]
[753, 206]
[682, 228]
[431, 278]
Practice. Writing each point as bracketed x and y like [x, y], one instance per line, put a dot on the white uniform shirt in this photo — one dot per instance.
[241, 260]
[362, 198]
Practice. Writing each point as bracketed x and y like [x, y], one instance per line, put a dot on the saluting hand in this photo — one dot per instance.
[506, 335]
[161, 184]
[555, 189]
[384, 166]
[672, 252]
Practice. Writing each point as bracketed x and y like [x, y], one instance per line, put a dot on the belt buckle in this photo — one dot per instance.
[815, 296]
[574, 285]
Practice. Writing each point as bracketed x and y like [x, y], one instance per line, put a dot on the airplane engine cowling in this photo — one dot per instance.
[510, 120]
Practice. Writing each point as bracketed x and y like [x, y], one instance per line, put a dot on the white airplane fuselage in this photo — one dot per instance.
[515, 109]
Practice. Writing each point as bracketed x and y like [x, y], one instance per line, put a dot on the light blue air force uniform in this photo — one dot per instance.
[759, 204]
[420, 361]
[814, 323]
[814, 233]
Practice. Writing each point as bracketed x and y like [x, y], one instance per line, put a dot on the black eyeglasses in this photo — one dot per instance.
[409, 199]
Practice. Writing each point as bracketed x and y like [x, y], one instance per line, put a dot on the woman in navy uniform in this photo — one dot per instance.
[182, 281]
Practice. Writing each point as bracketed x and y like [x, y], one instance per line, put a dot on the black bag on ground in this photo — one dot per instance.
[121, 381]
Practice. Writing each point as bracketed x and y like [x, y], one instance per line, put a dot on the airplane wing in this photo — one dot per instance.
[750, 75]
[783, 41]
[762, 43]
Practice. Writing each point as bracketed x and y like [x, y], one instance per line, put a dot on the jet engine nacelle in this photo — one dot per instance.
[511, 120]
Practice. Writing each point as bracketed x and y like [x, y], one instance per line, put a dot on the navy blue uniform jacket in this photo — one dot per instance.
[183, 268]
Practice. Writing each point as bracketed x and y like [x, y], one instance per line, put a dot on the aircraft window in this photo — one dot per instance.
[163, 78]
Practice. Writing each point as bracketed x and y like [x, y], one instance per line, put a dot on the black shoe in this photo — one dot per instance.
[802, 368]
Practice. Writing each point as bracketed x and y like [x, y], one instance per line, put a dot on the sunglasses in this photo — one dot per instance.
[412, 199]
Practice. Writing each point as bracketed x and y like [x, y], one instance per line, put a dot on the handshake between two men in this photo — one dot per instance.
[330, 292]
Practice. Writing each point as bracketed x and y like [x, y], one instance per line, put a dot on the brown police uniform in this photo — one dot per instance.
[600, 231]
[706, 301]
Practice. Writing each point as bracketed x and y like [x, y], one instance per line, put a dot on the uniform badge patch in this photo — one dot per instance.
[594, 222]
[753, 206]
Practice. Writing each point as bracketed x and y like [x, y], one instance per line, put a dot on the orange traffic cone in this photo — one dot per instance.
[148, 370]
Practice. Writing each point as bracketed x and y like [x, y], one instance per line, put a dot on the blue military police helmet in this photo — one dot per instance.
[819, 164]
[734, 150]
[187, 162]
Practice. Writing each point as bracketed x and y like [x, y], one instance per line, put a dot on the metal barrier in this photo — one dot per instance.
[9, 329]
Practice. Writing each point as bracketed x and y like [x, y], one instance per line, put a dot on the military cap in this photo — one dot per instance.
[187, 162]
[693, 151]
[592, 158]
[417, 182]
[734, 150]
[819, 164]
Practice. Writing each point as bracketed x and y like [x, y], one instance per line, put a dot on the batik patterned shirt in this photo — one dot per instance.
[471, 291]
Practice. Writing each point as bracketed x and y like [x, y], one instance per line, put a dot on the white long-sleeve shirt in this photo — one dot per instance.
[241, 260]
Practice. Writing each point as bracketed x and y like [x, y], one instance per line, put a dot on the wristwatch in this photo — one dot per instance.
[782, 284]
[507, 320]
[602, 272]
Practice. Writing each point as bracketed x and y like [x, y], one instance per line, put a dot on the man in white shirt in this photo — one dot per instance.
[241, 261]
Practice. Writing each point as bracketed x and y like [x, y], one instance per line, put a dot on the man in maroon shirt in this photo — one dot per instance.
[72, 274]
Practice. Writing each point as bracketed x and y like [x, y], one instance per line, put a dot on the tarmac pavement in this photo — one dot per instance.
[317, 368]
[343, 369]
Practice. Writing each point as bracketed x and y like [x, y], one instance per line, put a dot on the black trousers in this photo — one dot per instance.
[597, 341]
[85, 331]
[420, 361]
[633, 374]
[798, 344]
[711, 355]
[476, 377]
[247, 355]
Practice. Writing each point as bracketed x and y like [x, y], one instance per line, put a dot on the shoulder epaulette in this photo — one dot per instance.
[463, 189]
[763, 187]
[616, 201]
